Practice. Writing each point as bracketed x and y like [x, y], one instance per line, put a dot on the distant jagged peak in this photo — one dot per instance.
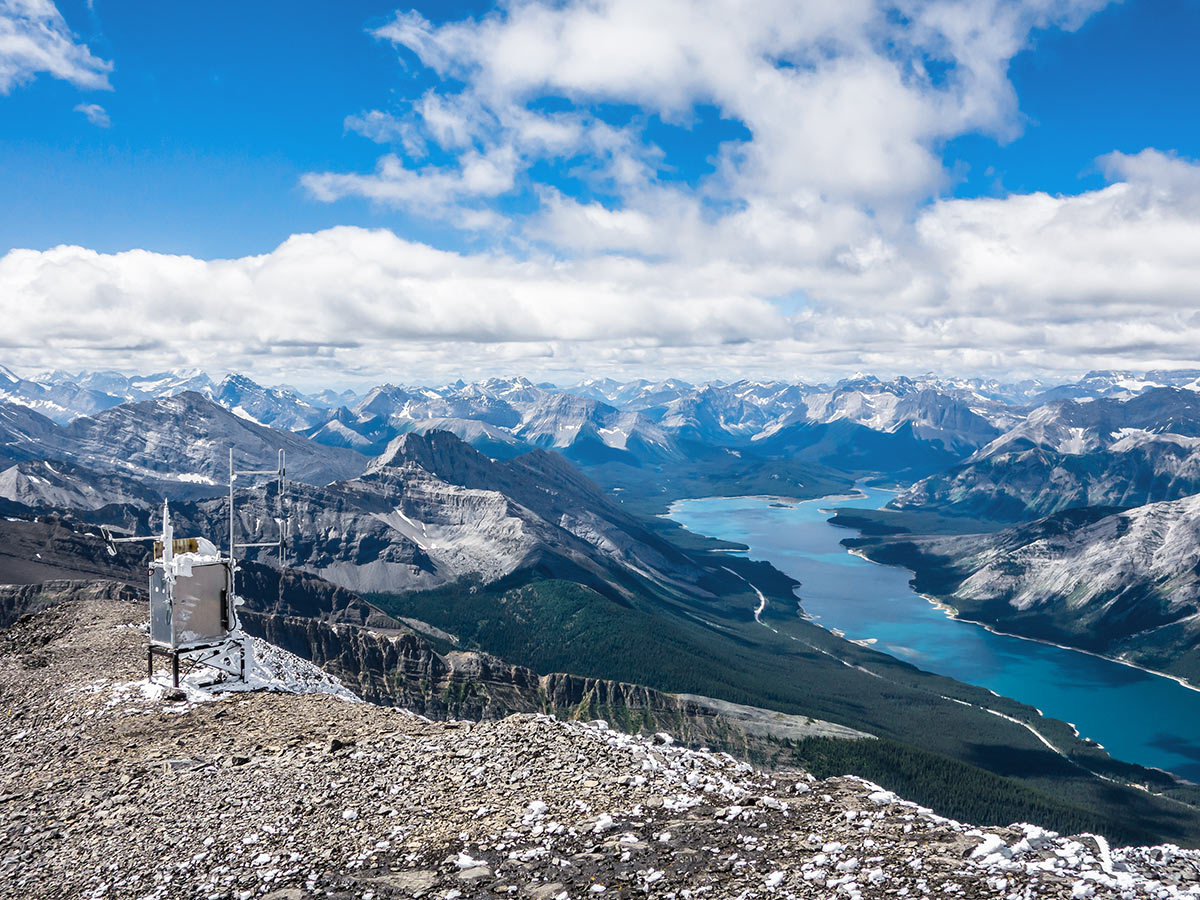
[1120, 385]
[387, 389]
[600, 383]
[515, 381]
[1108, 374]
[439, 453]
[863, 378]
[173, 381]
[183, 402]
[513, 389]
[899, 386]
[331, 398]
[278, 407]
[236, 382]
[1084, 425]
[569, 402]
[382, 399]
[237, 379]
[674, 384]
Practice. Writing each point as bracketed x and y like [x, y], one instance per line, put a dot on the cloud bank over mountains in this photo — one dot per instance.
[817, 238]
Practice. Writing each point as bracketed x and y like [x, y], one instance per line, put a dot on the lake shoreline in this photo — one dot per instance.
[952, 612]
[799, 541]
[941, 605]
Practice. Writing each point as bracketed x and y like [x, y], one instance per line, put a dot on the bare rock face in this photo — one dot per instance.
[109, 790]
[59, 485]
[397, 667]
[184, 436]
[49, 548]
[432, 509]
[25, 433]
[170, 446]
[17, 601]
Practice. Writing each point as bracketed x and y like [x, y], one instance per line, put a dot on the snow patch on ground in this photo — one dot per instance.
[241, 413]
[275, 669]
[194, 478]
[269, 668]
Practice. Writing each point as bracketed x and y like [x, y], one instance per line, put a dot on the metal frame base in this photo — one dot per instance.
[228, 658]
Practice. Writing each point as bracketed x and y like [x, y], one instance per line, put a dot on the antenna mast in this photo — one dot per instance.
[283, 522]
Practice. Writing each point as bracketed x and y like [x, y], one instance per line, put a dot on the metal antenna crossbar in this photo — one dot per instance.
[283, 522]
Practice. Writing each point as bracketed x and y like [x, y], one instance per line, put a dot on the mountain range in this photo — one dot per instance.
[176, 445]
[741, 410]
[907, 426]
[522, 521]
[1068, 454]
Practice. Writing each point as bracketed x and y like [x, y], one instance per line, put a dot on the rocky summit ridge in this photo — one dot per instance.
[108, 789]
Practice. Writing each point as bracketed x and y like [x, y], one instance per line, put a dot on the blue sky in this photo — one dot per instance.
[620, 165]
[217, 110]
[1124, 81]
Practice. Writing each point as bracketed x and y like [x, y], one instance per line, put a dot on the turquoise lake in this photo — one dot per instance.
[1138, 717]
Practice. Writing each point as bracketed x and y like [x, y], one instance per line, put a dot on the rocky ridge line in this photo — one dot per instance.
[388, 662]
[109, 791]
[398, 669]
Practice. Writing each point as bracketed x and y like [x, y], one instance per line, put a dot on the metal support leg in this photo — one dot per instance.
[149, 665]
[175, 670]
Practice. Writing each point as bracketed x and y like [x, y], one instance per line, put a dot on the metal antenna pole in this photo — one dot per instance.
[232, 546]
[281, 541]
[283, 518]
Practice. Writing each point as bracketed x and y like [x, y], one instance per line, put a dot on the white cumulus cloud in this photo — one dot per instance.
[354, 297]
[837, 98]
[821, 239]
[1106, 278]
[35, 38]
[94, 113]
